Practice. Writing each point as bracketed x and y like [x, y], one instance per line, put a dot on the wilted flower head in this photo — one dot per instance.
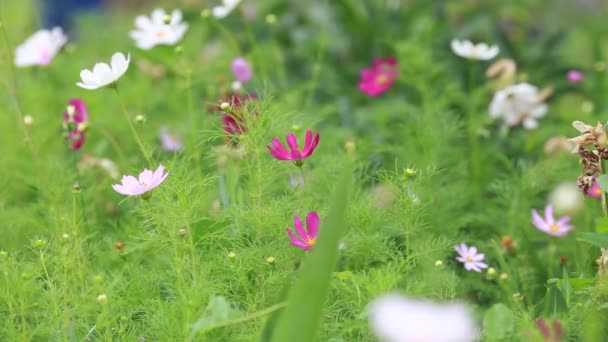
[549, 224]
[395, 318]
[305, 239]
[380, 77]
[40, 48]
[558, 144]
[503, 69]
[595, 190]
[575, 76]
[104, 74]
[466, 49]
[158, 29]
[169, 142]
[225, 9]
[602, 261]
[241, 70]
[295, 154]
[470, 258]
[147, 181]
[518, 104]
[590, 136]
[75, 122]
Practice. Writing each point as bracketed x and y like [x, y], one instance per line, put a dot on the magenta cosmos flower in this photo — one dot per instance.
[279, 152]
[305, 239]
[380, 77]
[241, 70]
[549, 224]
[75, 121]
[470, 258]
[595, 190]
[575, 76]
[147, 181]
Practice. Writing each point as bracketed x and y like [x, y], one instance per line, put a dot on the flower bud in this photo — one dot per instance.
[205, 13]
[232, 255]
[98, 279]
[504, 276]
[3, 253]
[236, 86]
[28, 120]
[102, 299]
[39, 243]
[65, 236]
[179, 49]
[140, 118]
[225, 106]
[271, 19]
[439, 264]
[183, 232]
[76, 188]
[270, 260]
[167, 19]
[350, 146]
[491, 271]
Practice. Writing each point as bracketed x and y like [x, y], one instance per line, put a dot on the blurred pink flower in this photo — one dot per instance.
[241, 70]
[595, 190]
[75, 121]
[380, 77]
[575, 76]
[169, 142]
[555, 334]
[305, 239]
[234, 121]
[549, 225]
[279, 152]
[470, 258]
[147, 181]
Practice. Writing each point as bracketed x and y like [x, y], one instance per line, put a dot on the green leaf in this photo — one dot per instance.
[555, 303]
[301, 318]
[598, 240]
[601, 224]
[218, 310]
[602, 181]
[565, 286]
[498, 323]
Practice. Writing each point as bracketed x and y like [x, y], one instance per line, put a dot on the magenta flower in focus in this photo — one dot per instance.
[575, 76]
[147, 181]
[169, 142]
[595, 190]
[241, 70]
[470, 258]
[75, 121]
[305, 239]
[549, 224]
[279, 152]
[379, 78]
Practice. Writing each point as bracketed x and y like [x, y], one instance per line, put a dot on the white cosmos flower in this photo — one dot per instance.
[158, 29]
[40, 48]
[104, 74]
[225, 9]
[518, 104]
[466, 49]
[395, 318]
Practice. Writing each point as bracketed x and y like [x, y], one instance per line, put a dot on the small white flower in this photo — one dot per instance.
[225, 9]
[396, 318]
[466, 49]
[104, 74]
[158, 29]
[567, 199]
[518, 104]
[40, 48]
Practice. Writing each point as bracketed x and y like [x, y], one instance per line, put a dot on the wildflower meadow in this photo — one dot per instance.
[344, 170]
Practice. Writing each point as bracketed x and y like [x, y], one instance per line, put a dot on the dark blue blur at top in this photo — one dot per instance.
[61, 12]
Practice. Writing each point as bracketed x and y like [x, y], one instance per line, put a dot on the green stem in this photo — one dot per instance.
[141, 145]
[472, 134]
[604, 206]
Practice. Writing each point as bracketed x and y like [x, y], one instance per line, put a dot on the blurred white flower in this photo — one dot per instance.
[40, 48]
[158, 29]
[566, 198]
[395, 318]
[104, 74]
[518, 104]
[225, 9]
[466, 49]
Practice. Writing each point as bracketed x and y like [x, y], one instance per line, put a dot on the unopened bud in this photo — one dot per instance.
[439, 264]
[179, 49]
[167, 19]
[140, 118]
[271, 19]
[350, 146]
[71, 110]
[270, 260]
[75, 188]
[236, 86]
[102, 299]
[205, 13]
[39, 243]
[491, 271]
[65, 236]
[225, 106]
[183, 232]
[232, 255]
[28, 120]
[504, 276]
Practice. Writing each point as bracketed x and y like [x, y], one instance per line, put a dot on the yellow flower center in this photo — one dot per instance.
[554, 228]
[160, 34]
[468, 259]
[143, 184]
[311, 241]
[598, 191]
[382, 79]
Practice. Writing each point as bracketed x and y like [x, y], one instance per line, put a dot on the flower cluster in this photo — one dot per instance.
[75, 120]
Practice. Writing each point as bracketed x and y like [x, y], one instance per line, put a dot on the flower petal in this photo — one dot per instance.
[312, 224]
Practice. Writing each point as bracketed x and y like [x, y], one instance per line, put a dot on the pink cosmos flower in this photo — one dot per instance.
[147, 181]
[241, 70]
[169, 142]
[470, 258]
[575, 76]
[234, 122]
[555, 334]
[305, 239]
[595, 190]
[279, 152]
[75, 122]
[549, 225]
[380, 77]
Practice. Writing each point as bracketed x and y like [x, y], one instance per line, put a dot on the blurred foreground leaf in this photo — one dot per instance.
[598, 240]
[498, 322]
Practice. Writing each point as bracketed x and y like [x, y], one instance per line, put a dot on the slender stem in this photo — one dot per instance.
[141, 145]
[604, 206]
[472, 133]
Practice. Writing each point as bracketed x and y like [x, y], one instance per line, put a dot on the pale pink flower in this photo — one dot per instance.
[241, 70]
[169, 142]
[147, 181]
[575, 76]
[595, 190]
[470, 258]
[549, 224]
[380, 77]
[279, 152]
[306, 239]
